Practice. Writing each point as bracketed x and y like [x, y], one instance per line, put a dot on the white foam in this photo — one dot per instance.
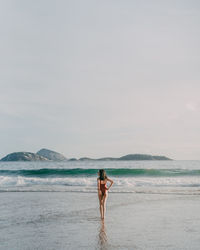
[125, 184]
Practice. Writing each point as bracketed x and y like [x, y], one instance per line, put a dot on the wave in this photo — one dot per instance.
[119, 182]
[15, 181]
[85, 184]
[116, 172]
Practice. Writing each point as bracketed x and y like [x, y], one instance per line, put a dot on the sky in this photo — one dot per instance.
[100, 78]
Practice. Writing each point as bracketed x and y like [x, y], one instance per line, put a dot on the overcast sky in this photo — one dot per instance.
[100, 78]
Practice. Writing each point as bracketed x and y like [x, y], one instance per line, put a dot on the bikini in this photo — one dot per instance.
[103, 187]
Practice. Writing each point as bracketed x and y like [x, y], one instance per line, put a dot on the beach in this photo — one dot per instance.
[97, 97]
[71, 220]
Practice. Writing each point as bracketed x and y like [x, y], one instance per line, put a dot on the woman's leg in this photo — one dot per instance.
[104, 203]
[100, 204]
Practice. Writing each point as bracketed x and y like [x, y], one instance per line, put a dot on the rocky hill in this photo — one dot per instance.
[130, 157]
[51, 155]
[143, 157]
[23, 156]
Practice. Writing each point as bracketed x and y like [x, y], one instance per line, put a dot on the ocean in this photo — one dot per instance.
[54, 205]
[128, 176]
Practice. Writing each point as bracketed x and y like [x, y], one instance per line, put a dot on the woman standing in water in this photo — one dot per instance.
[102, 190]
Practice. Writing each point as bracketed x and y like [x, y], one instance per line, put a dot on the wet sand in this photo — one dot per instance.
[71, 220]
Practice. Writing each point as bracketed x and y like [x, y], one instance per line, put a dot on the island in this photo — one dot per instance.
[130, 157]
[23, 156]
[42, 155]
[49, 155]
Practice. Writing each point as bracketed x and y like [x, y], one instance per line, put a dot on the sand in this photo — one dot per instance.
[71, 220]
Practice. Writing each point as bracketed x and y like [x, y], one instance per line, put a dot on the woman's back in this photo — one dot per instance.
[103, 181]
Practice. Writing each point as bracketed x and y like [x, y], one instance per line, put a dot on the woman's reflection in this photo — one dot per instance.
[103, 241]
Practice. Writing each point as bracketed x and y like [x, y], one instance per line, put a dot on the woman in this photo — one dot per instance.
[102, 190]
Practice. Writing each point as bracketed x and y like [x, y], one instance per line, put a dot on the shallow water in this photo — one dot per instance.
[66, 220]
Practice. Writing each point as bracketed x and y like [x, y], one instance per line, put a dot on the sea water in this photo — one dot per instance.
[54, 205]
[81, 176]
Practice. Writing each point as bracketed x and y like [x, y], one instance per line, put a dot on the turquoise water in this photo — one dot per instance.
[128, 176]
[79, 172]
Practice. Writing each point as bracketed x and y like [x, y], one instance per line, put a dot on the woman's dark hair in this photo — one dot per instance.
[102, 174]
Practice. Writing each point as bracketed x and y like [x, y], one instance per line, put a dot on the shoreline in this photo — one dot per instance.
[71, 220]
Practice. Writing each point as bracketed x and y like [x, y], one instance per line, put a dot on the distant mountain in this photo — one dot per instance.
[72, 159]
[143, 157]
[23, 156]
[129, 157]
[99, 159]
[86, 159]
[107, 159]
[51, 155]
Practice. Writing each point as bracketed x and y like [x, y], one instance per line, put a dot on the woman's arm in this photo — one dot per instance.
[111, 182]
